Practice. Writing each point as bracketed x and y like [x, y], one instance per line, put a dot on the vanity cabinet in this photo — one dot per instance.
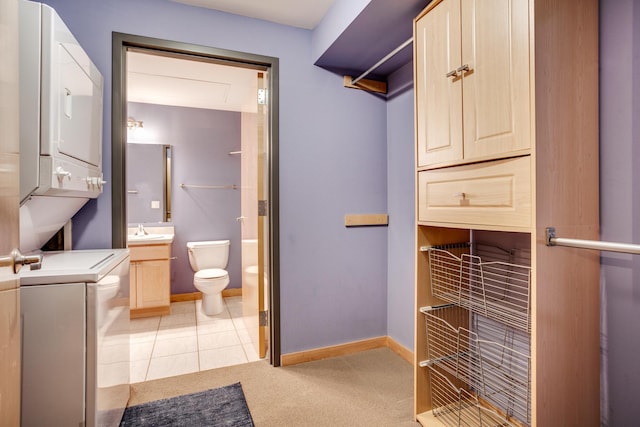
[150, 280]
[506, 103]
[472, 81]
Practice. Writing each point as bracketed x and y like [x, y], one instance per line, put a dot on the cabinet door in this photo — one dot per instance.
[496, 100]
[153, 283]
[438, 85]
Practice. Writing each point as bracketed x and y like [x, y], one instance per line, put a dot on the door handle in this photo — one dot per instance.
[462, 68]
[452, 73]
[16, 260]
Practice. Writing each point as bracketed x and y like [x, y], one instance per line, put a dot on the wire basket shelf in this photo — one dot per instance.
[492, 359]
[494, 282]
[456, 406]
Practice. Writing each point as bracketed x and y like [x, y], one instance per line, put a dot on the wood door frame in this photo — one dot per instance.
[120, 44]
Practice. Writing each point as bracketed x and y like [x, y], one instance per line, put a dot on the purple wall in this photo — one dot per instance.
[332, 162]
[201, 141]
[400, 202]
[620, 207]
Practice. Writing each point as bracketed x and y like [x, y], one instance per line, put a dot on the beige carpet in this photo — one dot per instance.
[371, 388]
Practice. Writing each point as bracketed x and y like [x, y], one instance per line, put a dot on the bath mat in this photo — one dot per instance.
[224, 406]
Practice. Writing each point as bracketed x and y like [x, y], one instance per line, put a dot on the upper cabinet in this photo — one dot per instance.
[472, 82]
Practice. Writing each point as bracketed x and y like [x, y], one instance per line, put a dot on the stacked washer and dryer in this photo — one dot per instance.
[75, 307]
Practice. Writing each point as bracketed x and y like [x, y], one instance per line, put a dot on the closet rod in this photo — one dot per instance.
[382, 61]
[627, 248]
[214, 187]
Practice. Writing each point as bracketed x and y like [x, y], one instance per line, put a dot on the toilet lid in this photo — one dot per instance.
[211, 273]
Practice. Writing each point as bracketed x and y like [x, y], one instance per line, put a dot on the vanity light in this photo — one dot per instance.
[133, 123]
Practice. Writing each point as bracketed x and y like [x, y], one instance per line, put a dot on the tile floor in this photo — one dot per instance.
[189, 341]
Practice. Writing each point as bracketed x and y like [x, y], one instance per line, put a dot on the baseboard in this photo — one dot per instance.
[186, 297]
[344, 349]
[400, 350]
[137, 313]
[233, 292]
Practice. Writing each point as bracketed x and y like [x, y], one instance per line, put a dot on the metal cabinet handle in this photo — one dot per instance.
[452, 73]
[462, 68]
[460, 196]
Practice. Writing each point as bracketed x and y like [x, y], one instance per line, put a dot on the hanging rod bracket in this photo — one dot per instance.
[551, 234]
[366, 84]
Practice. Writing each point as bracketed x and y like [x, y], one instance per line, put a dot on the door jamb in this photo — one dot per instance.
[120, 44]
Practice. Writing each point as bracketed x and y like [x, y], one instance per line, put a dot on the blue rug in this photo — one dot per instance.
[224, 406]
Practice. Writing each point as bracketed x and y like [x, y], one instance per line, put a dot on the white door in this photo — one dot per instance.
[9, 217]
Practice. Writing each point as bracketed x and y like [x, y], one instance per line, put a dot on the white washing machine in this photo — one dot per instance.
[75, 333]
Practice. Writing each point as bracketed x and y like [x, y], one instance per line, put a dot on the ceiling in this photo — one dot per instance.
[155, 79]
[287, 12]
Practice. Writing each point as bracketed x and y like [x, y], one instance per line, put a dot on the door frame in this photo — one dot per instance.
[121, 42]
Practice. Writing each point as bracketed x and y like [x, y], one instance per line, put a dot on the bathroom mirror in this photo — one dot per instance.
[148, 183]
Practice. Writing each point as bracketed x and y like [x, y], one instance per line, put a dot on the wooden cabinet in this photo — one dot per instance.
[472, 81]
[505, 149]
[150, 278]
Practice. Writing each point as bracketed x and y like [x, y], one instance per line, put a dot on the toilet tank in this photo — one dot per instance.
[208, 254]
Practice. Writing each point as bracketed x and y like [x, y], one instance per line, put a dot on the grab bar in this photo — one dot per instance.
[215, 187]
[628, 248]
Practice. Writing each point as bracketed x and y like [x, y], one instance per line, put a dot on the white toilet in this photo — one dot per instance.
[209, 260]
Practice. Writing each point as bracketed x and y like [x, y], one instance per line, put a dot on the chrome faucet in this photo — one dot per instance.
[141, 231]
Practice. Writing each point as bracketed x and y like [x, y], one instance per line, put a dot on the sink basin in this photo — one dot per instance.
[149, 238]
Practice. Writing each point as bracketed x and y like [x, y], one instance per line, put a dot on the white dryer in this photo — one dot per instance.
[75, 353]
[61, 103]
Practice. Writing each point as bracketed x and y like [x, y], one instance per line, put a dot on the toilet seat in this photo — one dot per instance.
[211, 273]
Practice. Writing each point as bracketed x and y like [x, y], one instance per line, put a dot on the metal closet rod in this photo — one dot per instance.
[214, 187]
[382, 61]
[597, 245]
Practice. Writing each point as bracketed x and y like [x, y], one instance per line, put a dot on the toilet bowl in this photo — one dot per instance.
[208, 260]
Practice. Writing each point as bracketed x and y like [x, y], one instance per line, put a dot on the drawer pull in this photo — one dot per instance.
[461, 196]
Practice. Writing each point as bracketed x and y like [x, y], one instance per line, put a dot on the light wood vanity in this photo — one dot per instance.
[150, 272]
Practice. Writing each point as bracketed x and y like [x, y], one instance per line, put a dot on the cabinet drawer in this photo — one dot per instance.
[141, 253]
[493, 194]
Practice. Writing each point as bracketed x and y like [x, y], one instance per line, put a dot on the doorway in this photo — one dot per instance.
[266, 162]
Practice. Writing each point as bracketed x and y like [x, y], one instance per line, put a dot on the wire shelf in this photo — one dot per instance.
[493, 360]
[458, 407]
[495, 282]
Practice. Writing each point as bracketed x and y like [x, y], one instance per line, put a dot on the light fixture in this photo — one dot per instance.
[133, 123]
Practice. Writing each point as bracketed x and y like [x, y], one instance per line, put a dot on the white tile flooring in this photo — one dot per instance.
[188, 341]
